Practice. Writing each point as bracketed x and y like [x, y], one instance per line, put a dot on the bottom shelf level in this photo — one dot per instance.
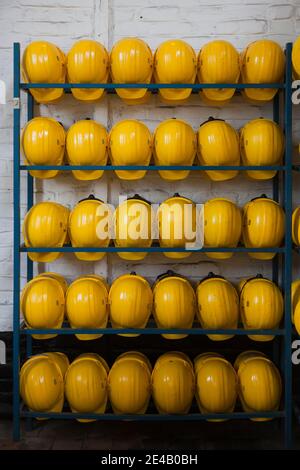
[153, 416]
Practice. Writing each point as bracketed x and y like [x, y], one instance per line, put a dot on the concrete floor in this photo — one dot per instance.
[71, 435]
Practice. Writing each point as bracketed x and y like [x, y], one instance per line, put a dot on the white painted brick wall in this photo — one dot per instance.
[197, 21]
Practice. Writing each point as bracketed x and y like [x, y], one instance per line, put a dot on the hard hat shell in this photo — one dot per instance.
[296, 59]
[173, 383]
[87, 62]
[42, 304]
[222, 226]
[218, 62]
[44, 62]
[243, 356]
[262, 62]
[60, 359]
[133, 224]
[43, 143]
[259, 386]
[261, 306]
[218, 305]
[57, 277]
[216, 385]
[89, 219]
[295, 294]
[42, 383]
[129, 383]
[131, 61]
[201, 358]
[172, 225]
[175, 143]
[174, 303]
[261, 143]
[87, 304]
[175, 62]
[46, 225]
[130, 301]
[263, 225]
[218, 144]
[296, 226]
[86, 385]
[130, 143]
[86, 144]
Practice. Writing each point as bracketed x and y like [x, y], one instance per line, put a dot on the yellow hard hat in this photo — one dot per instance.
[216, 385]
[243, 356]
[86, 144]
[262, 62]
[175, 62]
[261, 143]
[87, 62]
[130, 300]
[259, 384]
[218, 305]
[296, 59]
[87, 304]
[173, 383]
[176, 227]
[218, 62]
[89, 224]
[129, 383]
[42, 304]
[295, 294]
[261, 306]
[44, 62]
[263, 225]
[222, 226]
[42, 384]
[133, 223]
[175, 143]
[46, 225]
[296, 226]
[43, 143]
[57, 277]
[174, 303]
[218, 144]
[131, 61]
[86, 385]
[60, 359]
[201, 358]
[130, 143]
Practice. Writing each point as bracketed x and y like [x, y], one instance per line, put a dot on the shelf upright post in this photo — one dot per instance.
[30, 113]
[275, 196]
[30, 110]
[16, 251]
[288, 248]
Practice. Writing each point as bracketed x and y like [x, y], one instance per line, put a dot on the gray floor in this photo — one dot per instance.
[66, 435]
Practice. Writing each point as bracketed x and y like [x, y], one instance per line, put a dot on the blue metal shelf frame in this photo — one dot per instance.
[153, 417]
[284, 253]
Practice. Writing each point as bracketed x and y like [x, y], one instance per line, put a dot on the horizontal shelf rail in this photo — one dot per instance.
[152, 86]
[152, 167]
[153, 417]
[150, 331]
[296, 167]
[152, 249]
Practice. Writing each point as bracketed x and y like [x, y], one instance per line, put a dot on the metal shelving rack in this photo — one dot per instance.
[281, 264]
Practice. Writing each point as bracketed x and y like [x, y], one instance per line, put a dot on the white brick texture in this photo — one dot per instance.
[196, 21]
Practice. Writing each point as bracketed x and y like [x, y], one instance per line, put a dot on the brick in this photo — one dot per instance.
[281, 12]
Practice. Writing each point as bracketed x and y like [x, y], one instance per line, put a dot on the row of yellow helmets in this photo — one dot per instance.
[88, 383]
[260, 142]
[89, 303]
[178, 220]
[174, 61]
